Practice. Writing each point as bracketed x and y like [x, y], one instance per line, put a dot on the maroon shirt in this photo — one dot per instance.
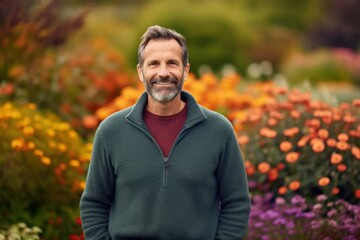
[165, 129]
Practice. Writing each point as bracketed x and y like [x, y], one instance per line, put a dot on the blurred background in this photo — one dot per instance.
[66, 65]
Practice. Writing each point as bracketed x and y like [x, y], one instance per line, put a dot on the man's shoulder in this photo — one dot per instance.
[115, 119]
[217, 118]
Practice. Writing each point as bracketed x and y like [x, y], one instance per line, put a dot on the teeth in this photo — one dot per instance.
[163, 83]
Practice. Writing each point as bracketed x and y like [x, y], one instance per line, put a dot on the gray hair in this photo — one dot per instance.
[156, 32]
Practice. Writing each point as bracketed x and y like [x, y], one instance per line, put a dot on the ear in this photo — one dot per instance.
[140, 73]
[186, 71]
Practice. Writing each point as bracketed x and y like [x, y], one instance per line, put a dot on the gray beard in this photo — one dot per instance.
[170, 94]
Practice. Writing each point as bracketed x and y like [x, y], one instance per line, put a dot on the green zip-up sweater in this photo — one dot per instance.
[198, 192]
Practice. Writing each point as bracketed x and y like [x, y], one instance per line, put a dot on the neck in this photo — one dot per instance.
[165, 108]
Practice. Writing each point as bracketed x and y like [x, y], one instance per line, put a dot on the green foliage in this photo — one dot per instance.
[218, 33]
[337, 65]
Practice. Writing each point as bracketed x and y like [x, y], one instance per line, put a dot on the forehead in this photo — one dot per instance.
[161, 48]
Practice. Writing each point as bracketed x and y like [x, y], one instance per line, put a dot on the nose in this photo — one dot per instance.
[163, 71]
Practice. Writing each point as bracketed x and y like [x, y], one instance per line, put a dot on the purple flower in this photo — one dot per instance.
[331, 213]
[321, 198]
[280, 201]
[265, 237]
[280, 221]
[298, 200]
[290, 225]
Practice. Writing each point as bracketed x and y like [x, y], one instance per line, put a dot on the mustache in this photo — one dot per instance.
[164, 80]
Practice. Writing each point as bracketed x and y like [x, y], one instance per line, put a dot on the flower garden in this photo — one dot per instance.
[301, 151]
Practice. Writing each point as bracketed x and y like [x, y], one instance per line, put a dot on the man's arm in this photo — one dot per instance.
[233, 193]
[98, 194]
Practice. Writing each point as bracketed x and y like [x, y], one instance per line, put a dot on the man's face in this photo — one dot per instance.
[162, 72]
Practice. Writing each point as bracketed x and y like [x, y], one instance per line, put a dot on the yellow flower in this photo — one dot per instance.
[28, 131]
[18, 143]
[46, 160]
[82, 185]
[16, 71]
[38, 153]
[62, 147]
[50, 132]
[31, 145]
[74, 163]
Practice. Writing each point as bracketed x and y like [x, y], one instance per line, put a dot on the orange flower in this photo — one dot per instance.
[267, 132]
[331, 142]
[348, 118]
[335, 190]
[318, 146]
[273, 174]
[356, 102]
[46, 160]
[243, 139]
[272, 122]
[357, 193]
[295, 114]
[290, 132]
[250, 170]
[324, 181]
[264, 167]
[323, 133]
[341, 167]
[280, 166]
[343, 137]
[90, 121]
[285, 146]
[282, 190]
[356, 152]
[336, 158]
[315, 123]
[342, 145]
[303, 141]
[294, 185]
[292, 157]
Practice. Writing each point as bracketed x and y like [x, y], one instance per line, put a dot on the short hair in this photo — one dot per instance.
[157, 32]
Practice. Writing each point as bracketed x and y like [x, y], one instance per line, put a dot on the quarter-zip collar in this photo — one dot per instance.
[195, 113]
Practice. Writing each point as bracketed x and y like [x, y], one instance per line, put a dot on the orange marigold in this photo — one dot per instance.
[294, 185]
[341, 167]
[342, 145]
[243, 139]
[357, 193]
[285, 146]
[264, 167]
[324, 181]
[335, 190]
[336, 158]
[318, 146]
[323, 133]
[273, 174]
[356, 102]
[292, 157]
[343, 137]
[282, 190]
[331, 142]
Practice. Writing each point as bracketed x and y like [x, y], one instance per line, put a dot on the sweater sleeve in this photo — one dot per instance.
[98, 194]
[233, 192]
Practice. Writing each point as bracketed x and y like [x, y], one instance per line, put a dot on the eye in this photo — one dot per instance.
[152, 63]
[173, 63]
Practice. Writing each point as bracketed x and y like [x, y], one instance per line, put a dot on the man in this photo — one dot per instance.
[165, 168]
